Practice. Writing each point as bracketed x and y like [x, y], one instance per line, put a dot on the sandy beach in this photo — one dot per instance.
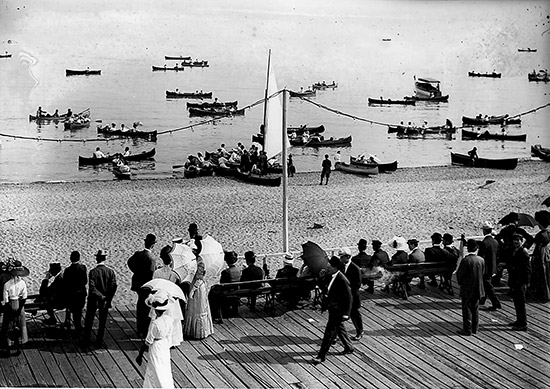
[44, 222]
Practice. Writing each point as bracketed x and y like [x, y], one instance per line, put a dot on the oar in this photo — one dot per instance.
[177, 166]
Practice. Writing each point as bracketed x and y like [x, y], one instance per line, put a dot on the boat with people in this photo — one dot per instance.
[195, 64]
[302, 93]
[304, 127]
[214, 104]
[480, 120]
[382, 101]
[108, 159]
[320, 141]
[427, 89]
[356, 169]
[85, 72]
[489, 163]
[78, 121]
[542, 76]
[488, 75]
[129, 133]
[58, 118]
[401, 128]
[216, 111]
[527, 50]
[188, 95]
[382, 167]
[122, 172]
[486, 135]
[176, 58]
[541, 152]
[165, 68]
[258, 179]
[323, 85]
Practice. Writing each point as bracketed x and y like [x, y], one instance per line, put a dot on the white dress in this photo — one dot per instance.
[174, 308]
[159, 368]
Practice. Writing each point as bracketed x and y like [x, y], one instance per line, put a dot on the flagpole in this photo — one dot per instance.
[266, 89]
[285, 175]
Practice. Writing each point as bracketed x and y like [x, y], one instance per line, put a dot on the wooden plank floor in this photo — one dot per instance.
[407, 344]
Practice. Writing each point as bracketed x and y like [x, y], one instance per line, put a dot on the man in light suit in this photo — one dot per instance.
[353, 274]
[488, 250]
[470, 278]
[337, 300]
[143, 265]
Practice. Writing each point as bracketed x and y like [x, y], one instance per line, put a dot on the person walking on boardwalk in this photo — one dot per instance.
[540, 281]
[75, 279]
[488, 250]
[519, 274]
[353, 274]
[325, 172]
[143, 265]
[158, 341]
[470, 278]
[337, 300]
[102, 287]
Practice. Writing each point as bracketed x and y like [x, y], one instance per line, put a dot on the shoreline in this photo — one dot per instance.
[52, 219]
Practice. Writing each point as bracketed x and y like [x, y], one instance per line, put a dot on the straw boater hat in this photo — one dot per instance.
[344, 251]
[159, 300]
[398, 243]
[288, 259]
[17, 269]
[487, 225]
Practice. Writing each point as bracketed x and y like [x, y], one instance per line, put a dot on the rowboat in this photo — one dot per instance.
[382, 167]
[134, 157]
[304, 128]
[504, 163]
[266, 180]
[480, 121]
[316, 142]
[193, 171]
[439, 99]
[306, 93]
[427, 89]
[58, 118]
[165, 68]
[527, 50]
[7, 55]
[489, 75]
[399, 129]
[541, 152]
[356, 169]
[122, 174]
[188, 95]
[76, 124]
[486, 135]
[150, 135]
[86, 72]
[177, 58]
[195, 64]
[390, 101]
[215, 104]
[323, 85]
[215, 112]
[540, 76]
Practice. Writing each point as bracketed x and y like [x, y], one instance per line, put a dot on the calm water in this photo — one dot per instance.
[310, 42]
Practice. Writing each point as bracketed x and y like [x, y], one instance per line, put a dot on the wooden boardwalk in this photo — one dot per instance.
[407, 344]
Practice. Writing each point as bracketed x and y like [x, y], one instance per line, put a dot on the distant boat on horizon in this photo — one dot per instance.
[6, 55]
[527, 50]
[386, 39]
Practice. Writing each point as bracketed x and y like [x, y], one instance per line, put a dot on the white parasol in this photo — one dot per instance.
[168, 286]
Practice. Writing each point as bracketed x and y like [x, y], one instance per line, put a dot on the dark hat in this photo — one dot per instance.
[249, 256]
[230, 257]
[55, 268]
[101, 254]
[151, 238]
[193, 227]
[334, 261]
[362, 242]
[447, 237]
[17, 269]
[413, 241]
[75, 256]
[436, 236]
[376, 242]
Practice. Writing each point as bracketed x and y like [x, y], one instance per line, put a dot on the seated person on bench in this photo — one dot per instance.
[288, 271]
[452, 258]
[252, 273]
[52, 292]
[435, 254]
[230, 306]
[415, 256]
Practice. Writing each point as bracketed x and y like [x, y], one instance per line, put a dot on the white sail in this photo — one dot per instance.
[273, 140]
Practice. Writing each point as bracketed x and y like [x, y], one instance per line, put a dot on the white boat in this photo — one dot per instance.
[427, 88]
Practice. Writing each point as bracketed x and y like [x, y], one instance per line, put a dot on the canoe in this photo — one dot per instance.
[151, 135]
[504, 163]
[382, 167]
[76, 125]
[304, 128]
[188, 95]
[176, 58]
[305, 93]
[267, 180]
[489, 75]
[165, 68]
[438, 99]
[433, 130]
[58, 118]
[195, 64]
[541, 152]
[484, 120]
[5, 55]
[86, 72]
[134, 157]
[390, 101]
[323, 86]
[215, 104]
[215, 112]
[321, 143]
[540, 76]
[486, 135]
[527, 50]
[356, 169]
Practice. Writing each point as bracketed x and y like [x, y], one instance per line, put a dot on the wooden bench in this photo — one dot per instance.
[33, 305]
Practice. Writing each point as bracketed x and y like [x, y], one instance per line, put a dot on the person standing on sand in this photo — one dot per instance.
[143, 265]
[325, 172]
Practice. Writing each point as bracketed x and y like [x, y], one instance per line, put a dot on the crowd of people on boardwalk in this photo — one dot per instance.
[163, 320]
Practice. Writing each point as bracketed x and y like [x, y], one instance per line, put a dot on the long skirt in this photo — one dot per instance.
[198, 319]
[174, 311]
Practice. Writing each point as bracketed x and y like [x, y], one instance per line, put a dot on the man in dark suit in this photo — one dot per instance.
[52, 292]
[353, 274]
[143, 265]
[488, 250]
[75, 279]
[251, 273]
[230, 306]
[435, 254]
[364, 261]
[470, 278]
[337, 300]
[102, 289]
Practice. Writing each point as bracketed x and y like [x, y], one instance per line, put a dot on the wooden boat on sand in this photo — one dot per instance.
[267, 180]
[541, 152]
[356, 169]
[382, 167]
[134, 157]
[465, 160]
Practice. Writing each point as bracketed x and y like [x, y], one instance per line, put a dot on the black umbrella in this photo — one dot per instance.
[546, 202]
[314, 257]
[523, 219]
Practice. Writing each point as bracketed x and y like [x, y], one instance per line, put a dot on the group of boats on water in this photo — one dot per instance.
[186, 62]
[312, 90]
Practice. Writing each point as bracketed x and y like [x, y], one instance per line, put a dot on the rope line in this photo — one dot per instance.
[226, 115]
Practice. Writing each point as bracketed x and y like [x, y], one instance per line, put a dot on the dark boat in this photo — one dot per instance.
[305, 93]
[390, 101]
[188, 95]
[76, 125]
[488, 75]
[215, 112]
[314, 142]
[266, 180]
[304, 128]
[165, 68]
[195, 64]
[86, 72]
[7, 55]
[382, 167]
[504, 163]
[193, 171]
[214, 104]
[151, 135]
[122, 175]
[401, 129]
[438, 99]
[541, 152]
[540, 76]
[134, 157]
[176, 58]
[486, 135]
[481, 121]
[58, 118]
[366, 170]
[323, 86]
[527, 50]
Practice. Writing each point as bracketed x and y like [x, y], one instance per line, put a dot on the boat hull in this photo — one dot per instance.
[484, 121]
[69, 72]
[176, 58]
[487, 75]
[266, 180]
[472, 135]
[391, 102]
[151, 135]
[134, 157]
[367, 170]
[188, 95]
[226, 104]
[382, 167]
[541, 152]
[503, 164]
[215, 112]
[322, 143]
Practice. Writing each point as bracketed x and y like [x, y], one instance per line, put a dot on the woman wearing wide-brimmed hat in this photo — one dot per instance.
[14, 325]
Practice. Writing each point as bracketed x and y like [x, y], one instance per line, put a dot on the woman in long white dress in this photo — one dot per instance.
[14, 294]
[198, 319]
[158, 342]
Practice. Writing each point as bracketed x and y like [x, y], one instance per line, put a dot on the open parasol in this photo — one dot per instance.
[546, 202]
[314, 257]
[522, 218]
[168, 286]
